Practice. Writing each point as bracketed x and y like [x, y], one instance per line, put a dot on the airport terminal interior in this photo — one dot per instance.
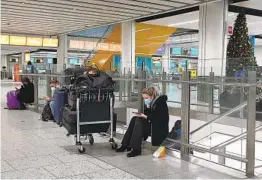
[80, 78]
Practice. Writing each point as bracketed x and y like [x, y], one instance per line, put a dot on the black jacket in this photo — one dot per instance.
[27, 93]
[158, 117]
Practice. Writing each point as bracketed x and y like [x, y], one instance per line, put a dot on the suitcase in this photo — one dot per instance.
[12, 102]
[70, 119]
[60, 99]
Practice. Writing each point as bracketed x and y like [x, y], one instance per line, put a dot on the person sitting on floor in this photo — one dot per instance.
[155, 117]
[54, 86]
[25, 95]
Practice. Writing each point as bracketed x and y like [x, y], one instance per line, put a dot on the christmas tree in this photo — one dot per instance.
[240, 54]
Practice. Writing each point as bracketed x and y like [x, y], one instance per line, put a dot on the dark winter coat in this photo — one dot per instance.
[158, 117]
[26, 93]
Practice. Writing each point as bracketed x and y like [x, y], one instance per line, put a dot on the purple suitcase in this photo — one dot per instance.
[12, 102]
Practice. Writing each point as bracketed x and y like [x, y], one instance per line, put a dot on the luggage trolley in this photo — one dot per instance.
[94, 109]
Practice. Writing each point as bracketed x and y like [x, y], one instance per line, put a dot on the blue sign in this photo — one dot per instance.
[147, 60]
[161, 50]
[193, 52]
[74, 61]
[184, 63]
[176, 51]
[50, 60]
[116, 62]
[253, 42]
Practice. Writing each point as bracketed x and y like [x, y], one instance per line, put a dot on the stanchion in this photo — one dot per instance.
[164, 83]
[251, 125]
[48, 80]
[129, 86]
[36, 91]
[185, 114]
[211, 93]
[141, 86]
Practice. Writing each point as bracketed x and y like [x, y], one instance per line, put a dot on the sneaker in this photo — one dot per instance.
[134, 153]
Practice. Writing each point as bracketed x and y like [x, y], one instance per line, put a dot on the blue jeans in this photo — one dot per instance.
[52, 106]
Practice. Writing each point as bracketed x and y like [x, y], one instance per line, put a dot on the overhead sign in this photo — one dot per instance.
[34, 41]
[29, 41]
[89, 45]
[17, 40]
[4, 39]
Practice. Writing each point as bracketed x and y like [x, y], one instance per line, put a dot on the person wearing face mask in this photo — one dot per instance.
[26, 93]
[54, 86]
[154, 121]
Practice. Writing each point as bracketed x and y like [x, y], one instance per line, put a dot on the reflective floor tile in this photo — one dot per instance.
[111, 174]
[101, 164]
[71, 157]
[33, 162]
[35, 173]
[40, 151]
[11, 154]
[77, 177]
[121, 160]
[5, 167]
[150, 170]
[73, 169]
[210, 174]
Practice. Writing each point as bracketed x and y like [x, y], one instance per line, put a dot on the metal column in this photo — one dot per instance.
[141, 86]
[48, 80]
[36, 83]
[211, 93]
[251, 125]
[129, 87]
[164, 83]
[185, 114]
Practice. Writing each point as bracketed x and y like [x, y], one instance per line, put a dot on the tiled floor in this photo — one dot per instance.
[32, 149]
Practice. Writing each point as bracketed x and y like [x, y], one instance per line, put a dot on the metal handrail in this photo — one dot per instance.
[163, 81]
[224, 115]
[232, 140]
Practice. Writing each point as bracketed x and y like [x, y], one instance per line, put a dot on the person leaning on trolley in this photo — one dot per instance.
[155, 119]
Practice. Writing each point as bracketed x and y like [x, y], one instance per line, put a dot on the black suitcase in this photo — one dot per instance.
[69, 118]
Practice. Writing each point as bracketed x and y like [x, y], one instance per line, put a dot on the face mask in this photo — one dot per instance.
[52, 88]
[147, 101]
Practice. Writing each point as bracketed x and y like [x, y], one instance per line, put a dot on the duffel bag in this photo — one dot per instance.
[71, 74]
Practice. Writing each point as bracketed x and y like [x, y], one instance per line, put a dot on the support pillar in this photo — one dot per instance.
[166, 59]
[212, 38]
[62, 53]
[128, 46]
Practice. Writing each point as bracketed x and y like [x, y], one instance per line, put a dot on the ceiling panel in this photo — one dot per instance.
[49, 17]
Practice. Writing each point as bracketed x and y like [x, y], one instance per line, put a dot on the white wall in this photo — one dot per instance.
[258, 55]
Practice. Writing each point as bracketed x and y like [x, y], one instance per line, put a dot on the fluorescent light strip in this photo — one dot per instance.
[158, 37]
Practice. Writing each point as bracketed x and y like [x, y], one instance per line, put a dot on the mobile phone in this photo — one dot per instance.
[136, 113]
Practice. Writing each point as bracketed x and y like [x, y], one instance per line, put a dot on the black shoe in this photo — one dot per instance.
[134, 153]
[22, 107]
[123, 148]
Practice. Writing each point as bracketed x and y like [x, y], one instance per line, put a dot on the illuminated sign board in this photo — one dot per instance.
[4, 39]
[17, 40]
[32, 41]
[28, 41]
[87, 45]
[47, 42]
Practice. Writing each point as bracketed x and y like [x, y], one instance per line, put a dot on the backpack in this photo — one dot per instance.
[47, 113]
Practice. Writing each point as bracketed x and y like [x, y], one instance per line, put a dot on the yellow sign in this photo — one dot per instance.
[34, 41]
[47, 42]
[27, 57]
[17, 40]
[4, 39]
[193, 74]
